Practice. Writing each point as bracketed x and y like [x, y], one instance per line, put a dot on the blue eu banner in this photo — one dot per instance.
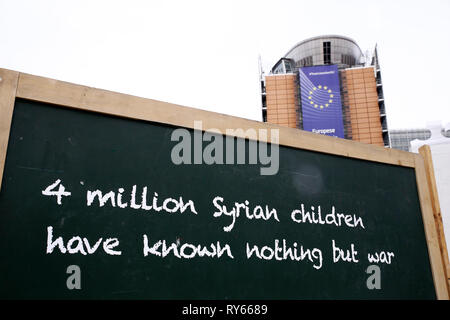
[321, 100]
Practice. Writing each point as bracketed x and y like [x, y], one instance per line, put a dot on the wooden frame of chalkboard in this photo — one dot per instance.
[425, 151]
[66, 95]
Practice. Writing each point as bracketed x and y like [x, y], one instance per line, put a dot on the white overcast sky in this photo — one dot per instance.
[204, 54]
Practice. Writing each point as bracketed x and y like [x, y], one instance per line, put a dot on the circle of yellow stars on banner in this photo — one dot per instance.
[322, 104]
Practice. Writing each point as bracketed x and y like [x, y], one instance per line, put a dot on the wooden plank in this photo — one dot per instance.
[8, 86]
[434, 250]
[425, 151]
[112, 103]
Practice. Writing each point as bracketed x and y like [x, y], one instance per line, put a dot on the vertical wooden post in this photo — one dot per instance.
[425, 151]
[8, 88]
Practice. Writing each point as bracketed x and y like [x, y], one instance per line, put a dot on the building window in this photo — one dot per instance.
[327, 52]
[305, 62]
[287, 66]
[348, 60]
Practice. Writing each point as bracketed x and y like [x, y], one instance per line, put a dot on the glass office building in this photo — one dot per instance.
[360, 88]
[401, 139]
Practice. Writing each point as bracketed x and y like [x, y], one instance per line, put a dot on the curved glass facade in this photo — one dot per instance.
[330, 49]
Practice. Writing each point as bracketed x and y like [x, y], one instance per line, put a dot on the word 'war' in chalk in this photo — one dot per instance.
[186, 250]
[117, 199]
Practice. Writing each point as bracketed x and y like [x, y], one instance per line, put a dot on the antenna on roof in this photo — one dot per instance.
[261, 71]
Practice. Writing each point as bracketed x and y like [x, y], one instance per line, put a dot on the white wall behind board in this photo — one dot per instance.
[441, 162]
[440, 154]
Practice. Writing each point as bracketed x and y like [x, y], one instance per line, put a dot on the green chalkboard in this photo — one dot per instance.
[89, 151]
